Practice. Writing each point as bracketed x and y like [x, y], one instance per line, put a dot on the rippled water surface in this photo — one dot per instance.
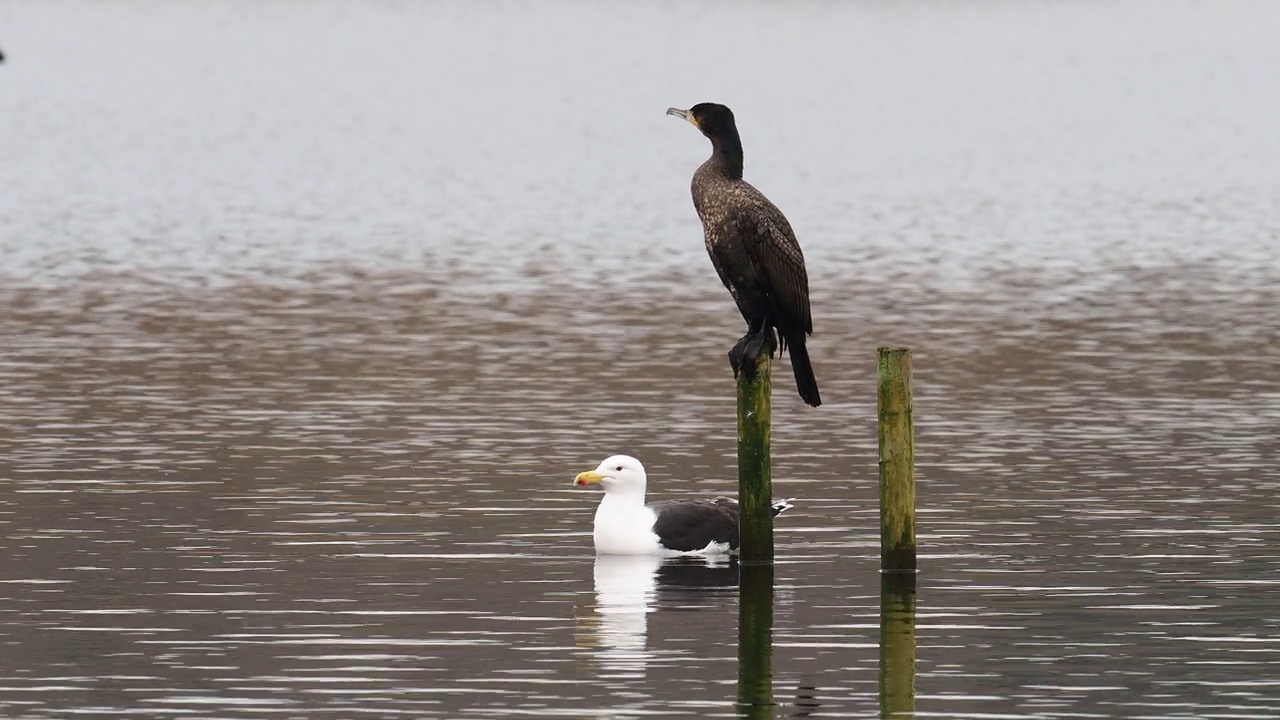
[309, 313]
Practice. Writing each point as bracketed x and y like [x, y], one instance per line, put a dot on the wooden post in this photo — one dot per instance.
[755, 492]
[897, 645]
[755, 640]
[897, 462]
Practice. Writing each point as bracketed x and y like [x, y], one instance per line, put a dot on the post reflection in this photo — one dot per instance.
[755, 640]
[897, 645]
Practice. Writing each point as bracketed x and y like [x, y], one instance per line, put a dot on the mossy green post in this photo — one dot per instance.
[897, 462]
[755, 492]
[755, 640]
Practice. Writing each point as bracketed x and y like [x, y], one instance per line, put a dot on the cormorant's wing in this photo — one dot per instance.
[778, 263]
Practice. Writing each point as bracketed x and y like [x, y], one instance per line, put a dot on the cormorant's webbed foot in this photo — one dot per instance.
[738, 357]
[744, 354]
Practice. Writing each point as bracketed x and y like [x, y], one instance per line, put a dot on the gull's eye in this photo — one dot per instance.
[619, 468]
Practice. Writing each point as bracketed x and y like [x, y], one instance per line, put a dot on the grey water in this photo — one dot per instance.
[310, 312]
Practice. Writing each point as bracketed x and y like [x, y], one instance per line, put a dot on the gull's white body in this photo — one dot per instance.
[623, 523]
[624, 526]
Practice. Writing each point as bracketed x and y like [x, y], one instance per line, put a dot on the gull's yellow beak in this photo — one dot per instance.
[683, 114]
[586, 478]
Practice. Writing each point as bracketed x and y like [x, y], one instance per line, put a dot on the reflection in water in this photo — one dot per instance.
[628, 588]
[755, 640]
[697, 582]
[295, 356]
[624, 592]
[806, 701]
[897, 644]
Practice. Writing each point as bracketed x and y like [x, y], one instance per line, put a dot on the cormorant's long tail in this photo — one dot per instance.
[806, 383]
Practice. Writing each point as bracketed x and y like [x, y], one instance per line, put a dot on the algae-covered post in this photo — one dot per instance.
[755, 491]
[897, 461]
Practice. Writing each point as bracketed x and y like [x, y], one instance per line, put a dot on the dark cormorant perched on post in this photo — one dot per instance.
[754, 251]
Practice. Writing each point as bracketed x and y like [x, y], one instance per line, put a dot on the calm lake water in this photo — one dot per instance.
[310, 312]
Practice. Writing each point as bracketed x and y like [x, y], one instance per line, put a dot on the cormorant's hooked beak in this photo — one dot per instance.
[586, 478]
[683, 115]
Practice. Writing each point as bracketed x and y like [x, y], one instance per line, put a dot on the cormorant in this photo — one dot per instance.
[754, 251]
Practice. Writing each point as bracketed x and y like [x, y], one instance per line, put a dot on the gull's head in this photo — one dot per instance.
[620, 472]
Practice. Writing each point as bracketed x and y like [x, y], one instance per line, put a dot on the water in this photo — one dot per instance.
[310, 313]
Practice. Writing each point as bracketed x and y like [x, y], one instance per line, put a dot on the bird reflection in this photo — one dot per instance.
[806, 701]
[629, 587]
[624, 591]
[697, 582]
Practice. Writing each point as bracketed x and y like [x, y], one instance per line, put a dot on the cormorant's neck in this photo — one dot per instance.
[726, 154]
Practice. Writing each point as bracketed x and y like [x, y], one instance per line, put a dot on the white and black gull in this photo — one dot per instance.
[625, 525]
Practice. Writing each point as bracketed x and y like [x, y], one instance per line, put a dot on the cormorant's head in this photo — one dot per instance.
[713, 119]
[617, 473]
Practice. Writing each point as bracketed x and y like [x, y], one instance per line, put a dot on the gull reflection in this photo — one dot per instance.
[694, 583]
[629, 587]
[625, 587]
